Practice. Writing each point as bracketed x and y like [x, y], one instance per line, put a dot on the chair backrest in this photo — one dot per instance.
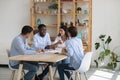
[85, 64]
[8, 53]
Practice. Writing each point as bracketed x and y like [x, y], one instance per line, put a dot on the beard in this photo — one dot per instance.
[42, 35]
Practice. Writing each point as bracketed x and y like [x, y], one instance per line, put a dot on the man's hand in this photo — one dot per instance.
[64, 50]
[59, 42]
[56, 44]
[39, 51]
[48, 47]
[63, 53]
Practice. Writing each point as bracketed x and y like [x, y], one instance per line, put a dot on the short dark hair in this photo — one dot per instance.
[73, 31]
[26, 29]
[41, 26]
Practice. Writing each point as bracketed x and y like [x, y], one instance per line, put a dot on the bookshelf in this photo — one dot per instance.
[54, 12]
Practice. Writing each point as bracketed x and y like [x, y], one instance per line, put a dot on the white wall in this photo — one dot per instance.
[15, 13]
[106, 20]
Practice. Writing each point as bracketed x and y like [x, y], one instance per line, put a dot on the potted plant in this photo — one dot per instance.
[62, 23]
[79, 9]
[106, 51]
[54, 7]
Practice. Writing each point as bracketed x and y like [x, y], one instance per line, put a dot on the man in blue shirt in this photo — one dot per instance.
[20, 46]
[74, 52]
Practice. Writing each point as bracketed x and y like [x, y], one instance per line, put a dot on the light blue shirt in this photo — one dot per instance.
[41, 42]
[75, 52]
[19, 46]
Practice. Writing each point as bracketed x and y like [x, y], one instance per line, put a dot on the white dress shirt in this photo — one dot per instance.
[62, 45]
[41, 42]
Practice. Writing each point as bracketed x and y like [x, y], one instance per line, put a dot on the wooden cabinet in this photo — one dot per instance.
[53, 13]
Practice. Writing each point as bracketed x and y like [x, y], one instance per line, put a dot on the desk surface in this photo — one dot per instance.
[45, 57]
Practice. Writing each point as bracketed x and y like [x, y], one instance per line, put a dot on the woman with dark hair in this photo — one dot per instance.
[74, 52]
[62, 37]
[60, 42]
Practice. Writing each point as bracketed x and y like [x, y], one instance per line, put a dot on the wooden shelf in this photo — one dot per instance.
[38, 14]
[75, 1]
[85, 44]
[48, 2]
[66, 2]
[80, 26]
[52, 25]
[65, 14]
[85, 47]
[82, 14]
[81, 1]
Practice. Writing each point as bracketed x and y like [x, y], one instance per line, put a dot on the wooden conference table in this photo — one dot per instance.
[44, 57]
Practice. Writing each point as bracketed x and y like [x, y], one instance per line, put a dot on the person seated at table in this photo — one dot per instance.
[62, 37]
[19, 46]
[41, 40]
[74, 51]
[60, 41]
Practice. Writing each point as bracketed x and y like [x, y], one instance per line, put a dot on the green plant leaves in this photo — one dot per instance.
[107, 52]
[108, 40]
[79, 9]
[104, 45]
[97, 45]
[112, 65]
[96, 62]
[102, 36]
[53, 6]
[101, 56]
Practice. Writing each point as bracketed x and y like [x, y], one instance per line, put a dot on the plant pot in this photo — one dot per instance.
[79, 12]
[55, 11]
[64, 11]
[85, 11]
